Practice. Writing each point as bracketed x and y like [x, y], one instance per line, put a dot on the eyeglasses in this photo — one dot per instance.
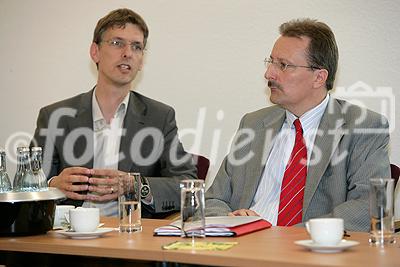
[284, 66]
[121, 44]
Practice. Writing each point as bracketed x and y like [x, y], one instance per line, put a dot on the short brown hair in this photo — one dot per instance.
[119, 18]
[322, 50]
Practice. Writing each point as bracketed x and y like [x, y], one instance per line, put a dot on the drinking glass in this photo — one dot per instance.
[381, 211]
[192, 208]
[129, 202]
[5, 184]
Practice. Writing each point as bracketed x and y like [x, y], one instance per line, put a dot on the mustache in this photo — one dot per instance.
[274, 84]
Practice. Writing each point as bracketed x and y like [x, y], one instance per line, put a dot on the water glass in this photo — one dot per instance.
[192, 208]
[129, 202]
[381, 211]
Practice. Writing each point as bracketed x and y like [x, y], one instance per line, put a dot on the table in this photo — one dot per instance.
[270, 247]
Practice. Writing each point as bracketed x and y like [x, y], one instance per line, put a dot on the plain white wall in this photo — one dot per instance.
[204, 58]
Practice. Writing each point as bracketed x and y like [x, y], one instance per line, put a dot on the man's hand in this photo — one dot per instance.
[104, 183]
[243, 212]
[64, 181]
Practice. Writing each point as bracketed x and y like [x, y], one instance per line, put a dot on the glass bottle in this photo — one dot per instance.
[5, 184]
[20, 169]
[36, 156]
[24, 179]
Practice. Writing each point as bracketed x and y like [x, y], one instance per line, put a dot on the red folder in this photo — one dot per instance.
[250, 227]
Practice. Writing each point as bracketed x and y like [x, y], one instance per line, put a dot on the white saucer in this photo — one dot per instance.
[344, 244]
[66, 226]
[85, 235]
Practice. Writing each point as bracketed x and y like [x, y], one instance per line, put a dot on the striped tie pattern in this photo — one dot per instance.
[293, 183]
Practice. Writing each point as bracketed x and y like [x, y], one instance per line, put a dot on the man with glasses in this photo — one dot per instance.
[310, 155]
[88, 139]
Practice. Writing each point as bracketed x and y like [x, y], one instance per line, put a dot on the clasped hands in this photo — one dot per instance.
[103, 183]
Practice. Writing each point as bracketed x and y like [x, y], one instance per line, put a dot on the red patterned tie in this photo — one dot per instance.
[294, 180]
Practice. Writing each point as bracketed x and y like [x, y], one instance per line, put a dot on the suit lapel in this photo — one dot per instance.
[261, 147]
[329, 134]
[134, 122]
[84, 119]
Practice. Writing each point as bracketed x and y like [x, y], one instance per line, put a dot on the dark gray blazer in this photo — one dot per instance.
[353, 147]
[76, 113]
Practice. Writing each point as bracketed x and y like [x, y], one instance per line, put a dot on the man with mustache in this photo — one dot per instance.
[310, 155]
[90, 138]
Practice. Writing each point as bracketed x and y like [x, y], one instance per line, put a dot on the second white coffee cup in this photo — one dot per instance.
[59, 216]
[325, 231]
[84, 219]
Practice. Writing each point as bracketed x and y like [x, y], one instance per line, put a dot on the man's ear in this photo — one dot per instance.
[141, 63]
[94, 52]
[320, 78]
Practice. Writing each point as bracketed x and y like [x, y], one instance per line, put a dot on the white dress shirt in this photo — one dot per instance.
[266, 199]
[107, 139]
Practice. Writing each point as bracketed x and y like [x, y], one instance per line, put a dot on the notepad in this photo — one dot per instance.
[199, 245]
[220, 226]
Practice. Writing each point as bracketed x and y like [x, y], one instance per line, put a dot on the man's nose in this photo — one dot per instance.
[270, 72]
[127, 51]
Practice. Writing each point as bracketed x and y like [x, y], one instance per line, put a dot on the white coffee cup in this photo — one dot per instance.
[59, 215]
[325, 231]
[84, 219]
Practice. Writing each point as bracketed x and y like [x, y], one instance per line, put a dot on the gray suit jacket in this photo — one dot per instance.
[351, 146]
[76, 113]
